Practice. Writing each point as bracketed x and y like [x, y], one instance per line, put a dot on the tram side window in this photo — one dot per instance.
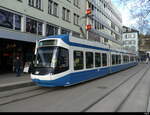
[63, 61]
[113, 59]
[104, 58]
[131, 58]
[97, 60]
[78, 60]
[128, 59]
[124, 59]
[89, 60]
[119, 59]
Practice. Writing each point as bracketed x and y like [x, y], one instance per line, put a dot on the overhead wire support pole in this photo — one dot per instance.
[37, 39]
[88, 26]
[81, 29]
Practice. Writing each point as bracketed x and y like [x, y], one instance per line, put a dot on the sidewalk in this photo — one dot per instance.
[10, 81]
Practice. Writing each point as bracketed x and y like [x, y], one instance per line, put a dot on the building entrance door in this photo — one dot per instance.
[7, 56]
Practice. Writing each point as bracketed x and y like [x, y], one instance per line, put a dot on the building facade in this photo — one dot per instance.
[131, 39]
[144, 47]
[145, 43]
[106, 23]
[24, 21]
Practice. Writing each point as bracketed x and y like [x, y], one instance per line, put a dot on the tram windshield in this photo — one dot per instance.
[44, 56]
[56, 58]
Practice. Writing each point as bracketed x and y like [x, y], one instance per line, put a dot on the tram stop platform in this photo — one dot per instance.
[9, 81]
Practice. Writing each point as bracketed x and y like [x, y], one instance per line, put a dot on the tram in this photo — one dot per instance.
[65, 60]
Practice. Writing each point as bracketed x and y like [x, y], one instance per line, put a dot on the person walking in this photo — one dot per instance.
[147, 60]
[18, 66]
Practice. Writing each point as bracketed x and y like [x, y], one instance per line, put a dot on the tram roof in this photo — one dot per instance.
[66, 39]
[63, 36]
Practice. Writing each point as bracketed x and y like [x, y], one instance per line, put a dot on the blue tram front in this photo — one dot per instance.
[52, 59]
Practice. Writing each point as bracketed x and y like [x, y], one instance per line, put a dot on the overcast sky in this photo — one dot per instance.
[124, 10]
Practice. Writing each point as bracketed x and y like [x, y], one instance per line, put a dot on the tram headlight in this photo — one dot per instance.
[37, 72]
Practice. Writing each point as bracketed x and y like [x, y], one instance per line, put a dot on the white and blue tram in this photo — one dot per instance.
[64, 60]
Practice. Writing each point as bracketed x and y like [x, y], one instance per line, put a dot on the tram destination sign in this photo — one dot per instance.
[47, 43]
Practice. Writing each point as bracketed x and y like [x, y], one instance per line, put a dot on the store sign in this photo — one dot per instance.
[11, 46]
[7, 54]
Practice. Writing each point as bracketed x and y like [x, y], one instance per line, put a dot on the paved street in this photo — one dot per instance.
[126, 91]
[11, 78]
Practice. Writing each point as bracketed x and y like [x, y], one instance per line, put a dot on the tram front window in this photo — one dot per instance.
[52, 60]
[44, 56]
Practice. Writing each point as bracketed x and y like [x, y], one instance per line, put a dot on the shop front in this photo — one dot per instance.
[9, 49]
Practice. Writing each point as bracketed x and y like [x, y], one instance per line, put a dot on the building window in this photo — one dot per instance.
[51, 30]
[66, 14]
[65, 31]
[76, 19]
[17, 22]
[76, 3]
[50, 2]
[89, 60]
[31, 3]
[40, 28]
[68, 0]
[55, 11]
[78, 60]
[19, 0]
[33, 26]
[112, 25]
[6, 19]
[35, 3]
[63, 13]
[38, 4]
[133, 48]
[10, 20]
[133, 35]
[105, 40]
[133, 42]
[52, 8]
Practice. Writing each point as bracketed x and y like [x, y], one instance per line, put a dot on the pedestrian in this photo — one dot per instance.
[147, 60]
[18, 64]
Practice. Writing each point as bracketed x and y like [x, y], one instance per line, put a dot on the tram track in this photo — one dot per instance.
[115, 88]
[38, 91]
[136, 84]
[20, 96]
[21, 92]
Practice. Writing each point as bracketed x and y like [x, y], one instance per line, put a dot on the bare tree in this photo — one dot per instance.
[140, 9]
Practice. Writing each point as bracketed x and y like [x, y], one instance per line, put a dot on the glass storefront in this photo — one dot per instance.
[33, 26]
[9, 49]
[10, 20]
